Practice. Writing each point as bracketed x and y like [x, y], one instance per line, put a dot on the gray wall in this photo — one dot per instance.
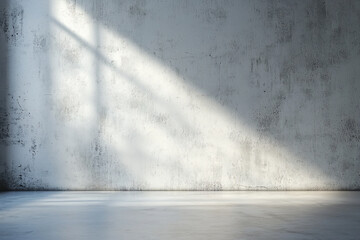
[196, 95]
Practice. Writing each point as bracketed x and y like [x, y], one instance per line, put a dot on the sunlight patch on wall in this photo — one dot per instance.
[124, 120]
[73, 114]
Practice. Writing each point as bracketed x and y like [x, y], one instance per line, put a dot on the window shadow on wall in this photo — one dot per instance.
[275, 67]
[187, 94]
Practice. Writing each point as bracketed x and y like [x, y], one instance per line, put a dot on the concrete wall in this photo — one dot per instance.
[197, 95]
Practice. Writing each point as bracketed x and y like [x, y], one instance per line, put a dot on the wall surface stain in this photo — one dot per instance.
[180, 95]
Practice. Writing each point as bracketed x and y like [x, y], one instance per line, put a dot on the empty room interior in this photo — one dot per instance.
[179, 119]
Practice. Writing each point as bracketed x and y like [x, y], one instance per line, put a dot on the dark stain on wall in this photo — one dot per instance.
[11, 23]
[280, 15]
[267, 118]
[17, 114]
[4, 126]
[216, 14]
[33, 148]
[350, 130]
[292, 67]
[138, 9]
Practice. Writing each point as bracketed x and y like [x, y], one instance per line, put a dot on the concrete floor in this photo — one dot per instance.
[179, 215]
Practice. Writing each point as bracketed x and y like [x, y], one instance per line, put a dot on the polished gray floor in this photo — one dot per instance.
[179, 215]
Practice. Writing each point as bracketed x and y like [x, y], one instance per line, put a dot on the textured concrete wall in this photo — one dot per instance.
[202, 95]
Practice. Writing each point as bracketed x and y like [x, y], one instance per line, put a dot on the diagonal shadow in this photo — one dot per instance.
[223, 94]
[283, 82]
[93, 158]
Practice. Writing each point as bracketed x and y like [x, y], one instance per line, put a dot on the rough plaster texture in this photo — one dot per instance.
[180, 95]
